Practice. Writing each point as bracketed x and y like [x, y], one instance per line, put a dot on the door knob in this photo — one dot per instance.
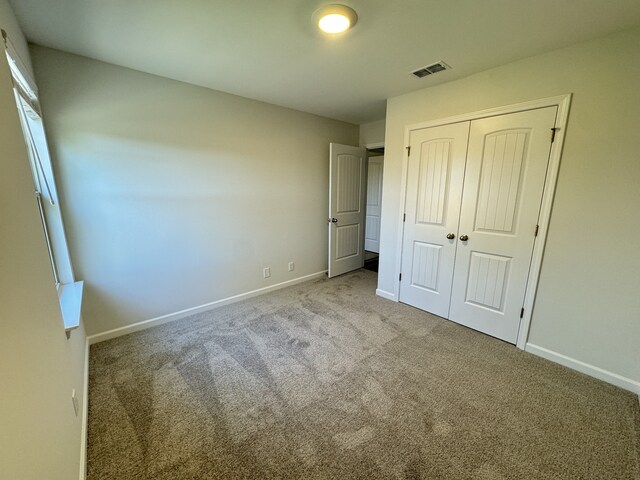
[464, 238]
[333, 220]
[451, 236]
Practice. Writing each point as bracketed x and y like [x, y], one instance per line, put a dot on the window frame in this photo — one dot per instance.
[69, 290]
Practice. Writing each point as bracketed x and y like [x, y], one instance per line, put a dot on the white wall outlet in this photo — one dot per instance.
[74, 399]
[291, 266]
[266, 272]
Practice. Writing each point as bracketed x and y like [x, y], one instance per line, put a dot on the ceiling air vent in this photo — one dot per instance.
[431, 69]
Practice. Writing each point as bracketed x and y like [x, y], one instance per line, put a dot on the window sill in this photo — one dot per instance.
[70, 297]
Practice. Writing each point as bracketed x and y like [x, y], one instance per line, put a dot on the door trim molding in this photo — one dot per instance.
[563, 103]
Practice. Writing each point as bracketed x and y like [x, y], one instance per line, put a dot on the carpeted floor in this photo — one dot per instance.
[325, 380]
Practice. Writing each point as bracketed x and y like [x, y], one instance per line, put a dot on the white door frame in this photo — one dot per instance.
[562, 102]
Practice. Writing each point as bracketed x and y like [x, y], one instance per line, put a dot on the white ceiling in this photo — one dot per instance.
[269, 50]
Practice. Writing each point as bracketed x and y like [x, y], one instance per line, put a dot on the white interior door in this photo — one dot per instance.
[374, 203]
[347, 204]
[434, 189]
[504, 181]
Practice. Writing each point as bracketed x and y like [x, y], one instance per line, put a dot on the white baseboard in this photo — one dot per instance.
[154, 322]
[385, 294]
[85, 414]
[597, 372]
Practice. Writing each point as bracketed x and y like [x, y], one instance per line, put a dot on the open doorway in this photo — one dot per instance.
[375, 159]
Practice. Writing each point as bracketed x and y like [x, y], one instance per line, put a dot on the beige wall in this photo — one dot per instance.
[588, 302]
[39, 433]
[178, 195]
[372, 133]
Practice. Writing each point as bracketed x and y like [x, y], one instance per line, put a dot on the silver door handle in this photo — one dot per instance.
[464, 238]
[451, 236]
[333, 220]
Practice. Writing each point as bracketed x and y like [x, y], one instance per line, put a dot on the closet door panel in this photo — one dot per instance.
[504, 180]
[434, 191]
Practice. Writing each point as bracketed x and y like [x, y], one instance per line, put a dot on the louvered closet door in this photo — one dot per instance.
[504, 180]
[434, 190]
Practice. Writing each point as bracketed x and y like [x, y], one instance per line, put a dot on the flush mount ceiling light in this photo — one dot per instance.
[335, 18]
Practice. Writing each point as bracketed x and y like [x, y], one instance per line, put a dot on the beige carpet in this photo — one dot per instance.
[327, 381]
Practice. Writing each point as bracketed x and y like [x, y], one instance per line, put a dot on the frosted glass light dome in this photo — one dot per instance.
[334, 19]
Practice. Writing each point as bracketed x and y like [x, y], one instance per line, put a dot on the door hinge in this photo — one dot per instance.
[404, 217]
[400, 277]
[522, 312]
[553, 133]
[408, 150]
[537, 229]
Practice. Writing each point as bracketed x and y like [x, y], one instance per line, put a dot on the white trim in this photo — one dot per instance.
[591, 370]
[403, 207]
[85, 414]
[544, 218]
[387, 295]
[562, 102]
[371, 146]
[492, 112]
[19, 70]
[154, 322]
[70, 299]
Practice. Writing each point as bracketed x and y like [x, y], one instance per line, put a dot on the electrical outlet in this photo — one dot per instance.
[266, 272]
[291, 266]
[74, 399]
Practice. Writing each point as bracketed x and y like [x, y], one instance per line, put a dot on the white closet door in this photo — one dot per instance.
[434, 189]
[374, 204]
[504, 181]
[347, 205]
